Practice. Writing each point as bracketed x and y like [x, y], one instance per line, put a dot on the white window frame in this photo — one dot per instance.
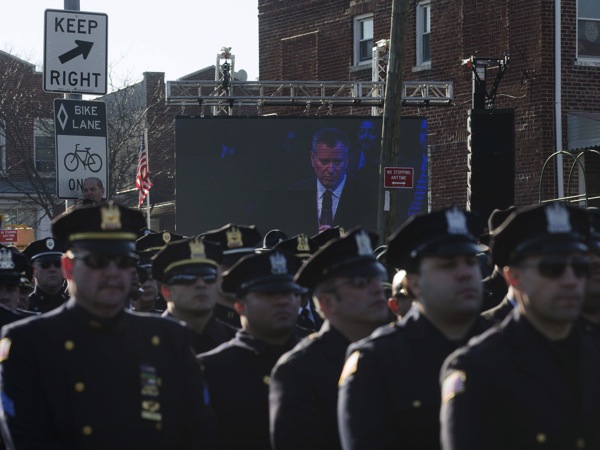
[592, 30]
[359, 39]
[423, 28]
[40, 129]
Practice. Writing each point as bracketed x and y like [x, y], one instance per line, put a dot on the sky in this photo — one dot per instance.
[176, 37]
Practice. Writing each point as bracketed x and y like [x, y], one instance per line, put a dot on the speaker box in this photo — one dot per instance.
[490, 160]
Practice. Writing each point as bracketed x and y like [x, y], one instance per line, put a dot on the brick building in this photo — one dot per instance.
[27, 174]
[331, 40]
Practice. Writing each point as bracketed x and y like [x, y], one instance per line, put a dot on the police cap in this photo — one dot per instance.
[192, 256]
[540, 229]
[324, 236]
[300, 245]
[106, 228]
[46, 249]
[448, 232]
[267, 271]
[348, 256]
[236, 241]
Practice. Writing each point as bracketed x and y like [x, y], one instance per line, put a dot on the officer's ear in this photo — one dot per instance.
[67, 267]
[166, 292]
[512, 276]
[240, 306]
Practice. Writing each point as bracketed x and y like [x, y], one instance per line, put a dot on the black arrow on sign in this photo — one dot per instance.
[83, 48]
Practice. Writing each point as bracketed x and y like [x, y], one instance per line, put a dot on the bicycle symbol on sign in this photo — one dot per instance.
[91, 161]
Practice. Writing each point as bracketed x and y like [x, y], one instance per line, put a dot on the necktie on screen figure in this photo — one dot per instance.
[326, 209]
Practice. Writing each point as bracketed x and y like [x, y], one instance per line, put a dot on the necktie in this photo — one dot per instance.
[327, 209]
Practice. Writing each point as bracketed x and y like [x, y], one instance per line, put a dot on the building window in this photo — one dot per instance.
[2, 146]
[423, 33]
[43, 136]
[363, 39]
[588, 29]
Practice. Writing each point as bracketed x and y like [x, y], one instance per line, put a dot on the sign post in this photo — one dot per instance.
[81, 145]
[75, 52]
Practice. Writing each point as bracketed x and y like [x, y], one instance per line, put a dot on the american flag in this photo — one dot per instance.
[142, 179]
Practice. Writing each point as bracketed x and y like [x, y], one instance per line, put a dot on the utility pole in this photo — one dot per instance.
[390, 135]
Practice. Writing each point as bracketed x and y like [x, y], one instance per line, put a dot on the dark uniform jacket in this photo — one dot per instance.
[215, 333]
[506, 390]
[238, 374]
[40, 301]
[391, 399]
[73, 381]
[227, 315]
[8, 316]
[494, 289]
[589, 327]
[303, 393]
[499, 312]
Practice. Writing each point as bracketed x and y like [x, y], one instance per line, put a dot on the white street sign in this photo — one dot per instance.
[75, 51]
[81, 145]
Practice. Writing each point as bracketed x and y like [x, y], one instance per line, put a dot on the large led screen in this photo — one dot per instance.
[272, 172]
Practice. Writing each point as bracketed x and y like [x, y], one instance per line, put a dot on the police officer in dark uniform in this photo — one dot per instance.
[389, 390]
[532, 382]
[238, 372]
[91, 375]
[496, 291]
[12, 265]
[150, 298]
[50, 286]
[236, 242]
[303, 247]
[590, 312]
[347, 283]
[188, 272]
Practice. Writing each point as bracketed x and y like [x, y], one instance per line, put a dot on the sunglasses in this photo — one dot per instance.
[47, 264]
[94, 261]
[189, 279]
[555, 267]
[360, 282]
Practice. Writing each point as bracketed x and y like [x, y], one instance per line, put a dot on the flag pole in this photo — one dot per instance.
[148, 165]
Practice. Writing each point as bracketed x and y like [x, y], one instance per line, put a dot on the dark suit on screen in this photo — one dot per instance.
[357, 206]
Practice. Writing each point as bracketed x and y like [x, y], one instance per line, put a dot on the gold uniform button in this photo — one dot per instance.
[87, 430]
[158, 426]
[69, 345]
[155, 340]
[416, 403]
[580, 443]
[267, 380]
[79, 387]
[541, 438]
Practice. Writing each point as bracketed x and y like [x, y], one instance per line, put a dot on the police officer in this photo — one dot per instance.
[495, 286]
[303, 247]
[150, 298]
[90, 374]
[236, 242]
[347, 284]
[531, 382]
[50, 286]
[590, 311]
[12, 265]
[238, 372]
[389, 390]
[188, 272]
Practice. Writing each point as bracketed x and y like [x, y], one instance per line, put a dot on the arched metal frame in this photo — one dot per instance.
[576, 160]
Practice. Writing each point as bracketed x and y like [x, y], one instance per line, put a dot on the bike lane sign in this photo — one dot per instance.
[81, 145]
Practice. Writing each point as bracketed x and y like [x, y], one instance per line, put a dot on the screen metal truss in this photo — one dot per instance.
[303, 93]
